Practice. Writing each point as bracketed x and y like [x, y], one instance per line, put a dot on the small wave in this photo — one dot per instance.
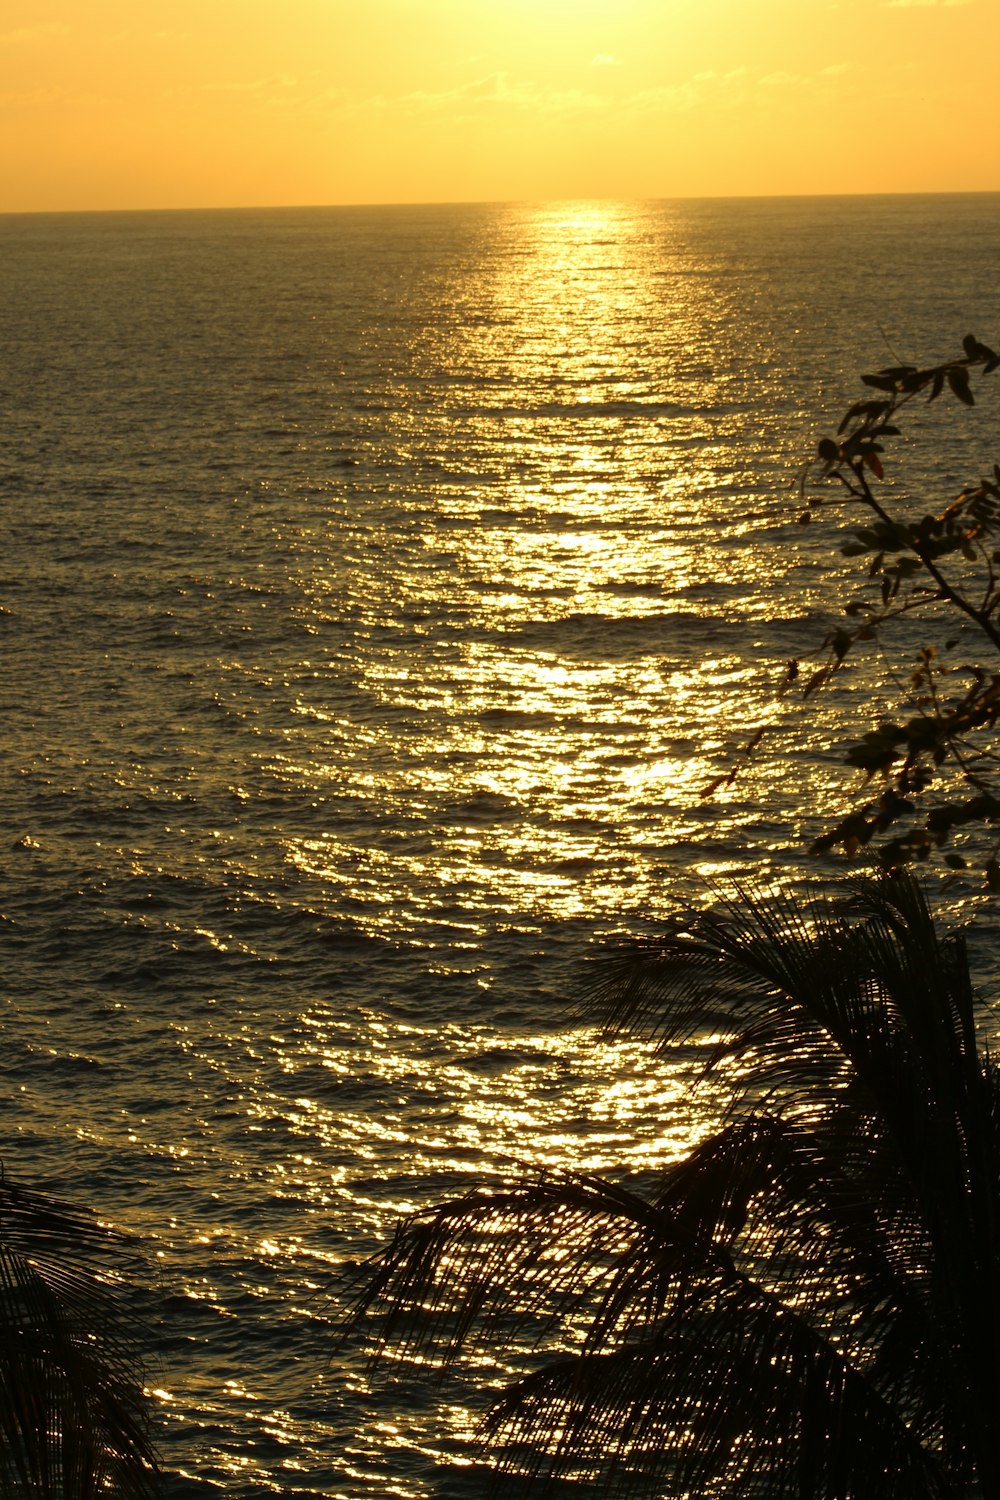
[588, 410]
[603, 638]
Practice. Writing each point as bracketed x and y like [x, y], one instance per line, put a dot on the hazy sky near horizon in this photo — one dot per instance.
[215, 103]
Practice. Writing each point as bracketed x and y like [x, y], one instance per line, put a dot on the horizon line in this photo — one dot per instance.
[503, 202]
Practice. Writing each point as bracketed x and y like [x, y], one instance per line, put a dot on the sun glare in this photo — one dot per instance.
[445, 100]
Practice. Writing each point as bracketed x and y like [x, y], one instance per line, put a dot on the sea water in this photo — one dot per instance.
[380, 590]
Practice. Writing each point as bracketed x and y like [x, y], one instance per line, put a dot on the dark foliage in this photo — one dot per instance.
[73, 1416]
[932, 761]
[808, 1305]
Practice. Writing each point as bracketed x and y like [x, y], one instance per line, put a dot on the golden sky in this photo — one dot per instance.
[200, 103]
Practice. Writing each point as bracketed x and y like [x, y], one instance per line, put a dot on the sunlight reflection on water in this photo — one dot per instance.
[387, 585]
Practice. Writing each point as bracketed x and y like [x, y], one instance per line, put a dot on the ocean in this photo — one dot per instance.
[380, 589]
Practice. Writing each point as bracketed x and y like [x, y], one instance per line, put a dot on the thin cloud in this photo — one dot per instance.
[34, 99]
[29, 34]
[498, 90]
[606, 60]
[737, 88]
[673, 100]
[494, 88]
[278, 81]
[56, 98]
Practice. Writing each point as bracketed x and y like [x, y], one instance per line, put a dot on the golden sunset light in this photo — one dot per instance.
[106, 104]
[500, 907]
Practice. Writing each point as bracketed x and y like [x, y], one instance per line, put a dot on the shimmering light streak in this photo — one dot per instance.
[377, 644]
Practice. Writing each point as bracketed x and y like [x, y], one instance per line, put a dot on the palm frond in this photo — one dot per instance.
[734, 1394]
[495, 1265]
[73, 1418]
[808, 1304]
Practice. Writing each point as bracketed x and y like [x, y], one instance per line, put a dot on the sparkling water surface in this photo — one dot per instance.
[380, 588]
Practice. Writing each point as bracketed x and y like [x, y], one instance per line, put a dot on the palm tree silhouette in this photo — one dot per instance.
[808, 1305]
[73, 1417]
